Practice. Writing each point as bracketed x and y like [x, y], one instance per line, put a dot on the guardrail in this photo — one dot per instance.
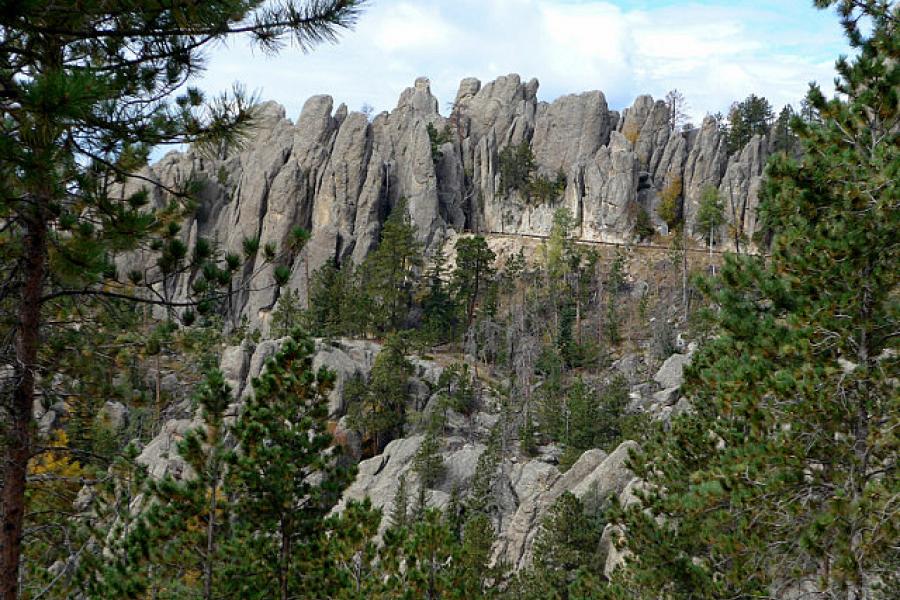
[601, 243]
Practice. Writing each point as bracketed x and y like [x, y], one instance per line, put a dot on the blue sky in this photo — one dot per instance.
[714, 51]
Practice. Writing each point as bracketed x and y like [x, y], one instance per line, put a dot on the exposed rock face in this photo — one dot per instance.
[539, 485]
[662, 398]
[706, 162]
[523, 490]
[338, 175]
[740, 190]
[610, 188]
[569, 131]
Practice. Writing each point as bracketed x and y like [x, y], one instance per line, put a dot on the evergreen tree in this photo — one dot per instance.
[439, 306]
[381, 414]
[516, 167]
[614, 284]
[286, 476]
[426, 560]
[643, 226]
[389, 273]
[399, 517]
[348, 565]
[428, 462]
[558, 254]
[677, 106]
[481, 497]
[199, 500]
[128, 533]
[335, 302]
[480, 577]
[710, 214]
[783, 139]
[565, 550]
[456, 390]
[164, 537]
[86, 93]
[785, 474]
[560, 246]
[474, 267]
[287, 316]
[437, 139]
[750, 117]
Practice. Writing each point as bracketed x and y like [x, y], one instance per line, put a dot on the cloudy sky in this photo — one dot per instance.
[714, 51]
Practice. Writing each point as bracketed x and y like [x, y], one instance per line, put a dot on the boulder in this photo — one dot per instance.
[671, 373]
[609, 477]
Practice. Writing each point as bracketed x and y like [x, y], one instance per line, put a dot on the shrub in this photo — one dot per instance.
[438, 139]
[643, 227]
[668, 209]
[543, 190]
[516, 167]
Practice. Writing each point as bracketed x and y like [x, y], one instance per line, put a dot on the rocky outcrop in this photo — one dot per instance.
[739, 191]
[539, 485]
[338, 175]
[610, 191]
[524, 490]
[662, 398]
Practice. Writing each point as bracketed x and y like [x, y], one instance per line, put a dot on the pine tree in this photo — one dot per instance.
[389, 273]
[564, 550]
[783, 139]
[428, 462]
[710, 214]
[381, 414]
[199, 501]
[425, 560]
[86, 94]
[474, 267]
[643, 226]
[677, 106]
[130, 532]
[335, 301]
[455, 389]
[348, 565]
[614, 284]
[437, 139]
[286, 476]
[750, 117]
[516, 167]
[163, 536]
[785, 474]
[287, 316]
[440, 308]
[399, 517]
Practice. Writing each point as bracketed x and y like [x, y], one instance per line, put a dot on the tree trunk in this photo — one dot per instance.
[470, 309]
[684, 275]
[211, 536]
[18, 447]
[284, 562]
[578, 309]
[306, 279]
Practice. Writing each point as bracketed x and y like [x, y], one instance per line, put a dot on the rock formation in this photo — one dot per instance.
[338, 175]
[524, 488]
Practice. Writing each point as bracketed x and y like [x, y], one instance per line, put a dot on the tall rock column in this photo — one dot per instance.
[704, 167]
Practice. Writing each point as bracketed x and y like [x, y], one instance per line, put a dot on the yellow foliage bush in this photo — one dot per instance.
[56, 462]
[631, 132]
[668, 205]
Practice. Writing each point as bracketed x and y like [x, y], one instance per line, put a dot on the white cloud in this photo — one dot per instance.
[714, 54]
